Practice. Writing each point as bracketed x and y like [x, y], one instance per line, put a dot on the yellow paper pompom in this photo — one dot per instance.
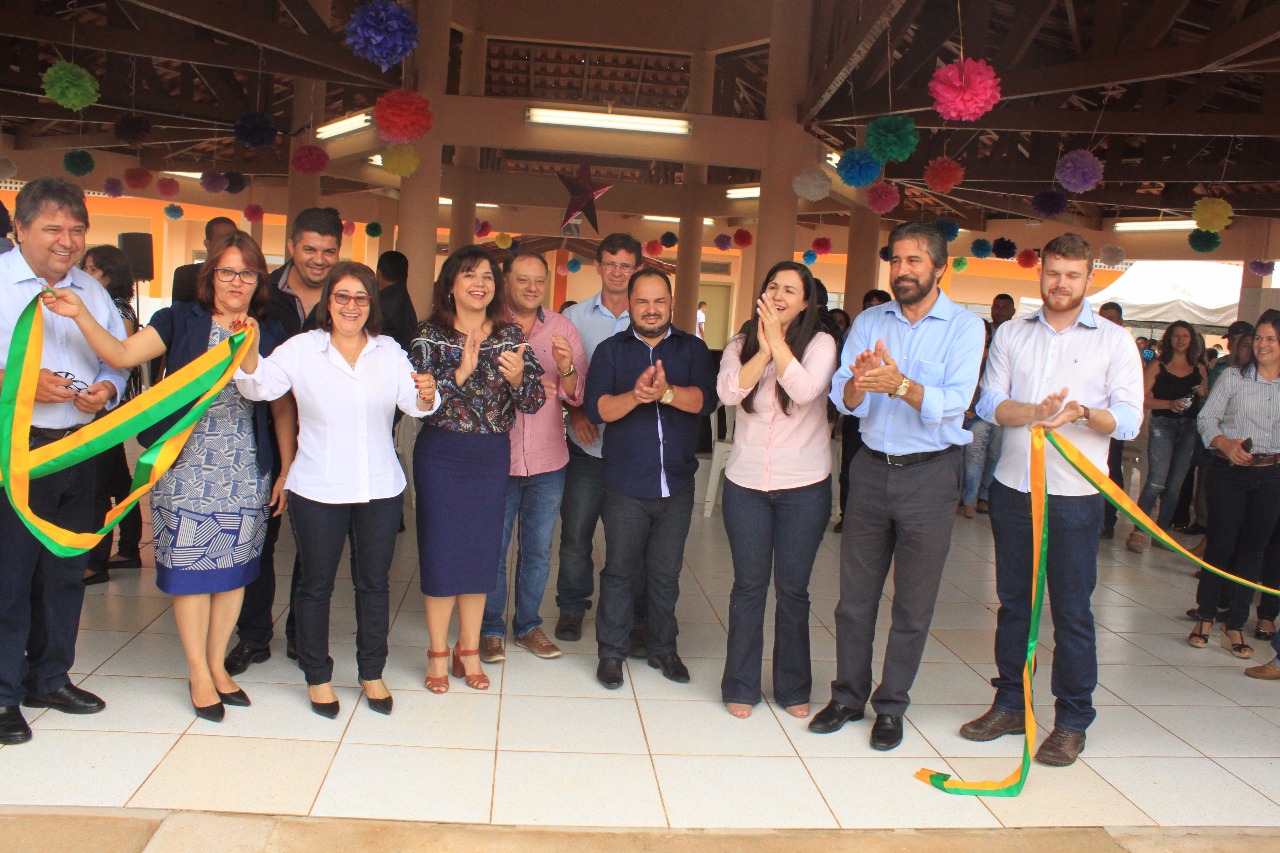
[1212, 214]
[503, 240]
[401, 160]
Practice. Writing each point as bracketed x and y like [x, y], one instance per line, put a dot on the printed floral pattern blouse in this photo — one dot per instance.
[486, 402]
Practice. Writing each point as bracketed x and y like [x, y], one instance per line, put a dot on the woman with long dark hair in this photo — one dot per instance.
[777, 491]
[1175, 381]
[209, 511]
[486, 372]
[110, 266]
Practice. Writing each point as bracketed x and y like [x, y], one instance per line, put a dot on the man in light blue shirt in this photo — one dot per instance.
[596, 319]
[1075, 373]
[908, 372]
[41, 593]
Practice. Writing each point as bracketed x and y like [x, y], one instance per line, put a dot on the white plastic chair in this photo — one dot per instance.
[719, 456]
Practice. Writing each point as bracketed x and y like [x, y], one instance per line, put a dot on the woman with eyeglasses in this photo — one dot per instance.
[348, 380]
[110, 266]
[209, 511]
[462, 459]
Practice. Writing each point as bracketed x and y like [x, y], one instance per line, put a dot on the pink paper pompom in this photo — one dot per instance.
[1028, 258]
[483, 228]
[965, 90]
[254, 212]
[822, 245]
[309, 160]
[401, 117]
[882, 197]
[168, 187]
[348, 228]
[562, 269]
[742, 238]
[943, 174]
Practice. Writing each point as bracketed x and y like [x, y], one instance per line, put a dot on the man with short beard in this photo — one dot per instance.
[1065, 368]
[909, 369]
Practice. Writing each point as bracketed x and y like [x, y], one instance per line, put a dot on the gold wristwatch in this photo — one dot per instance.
[901, 390]
[667, 396]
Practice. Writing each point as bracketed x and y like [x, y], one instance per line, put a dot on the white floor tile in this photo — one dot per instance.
[951, 683]
[59, 768]
[564, 789]
[556, 724]
[1220, 732]
[525, 674]
[852, 741]
[411, 783]
[1157, 685]
[704, 680]
[1054, 796]
[1259, 773]
[706, 728]
[121, 613]
[94, 647]
[1187, 791]
[134, 704]
[459, 719]
[735, 791]
[896, 798]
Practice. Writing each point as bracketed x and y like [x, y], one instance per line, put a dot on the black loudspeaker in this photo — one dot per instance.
[137, 247]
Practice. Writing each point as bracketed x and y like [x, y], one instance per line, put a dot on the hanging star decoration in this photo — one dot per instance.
[583, 192]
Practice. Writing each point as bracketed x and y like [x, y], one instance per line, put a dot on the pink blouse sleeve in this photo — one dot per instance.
[727, 380]
[808, 377]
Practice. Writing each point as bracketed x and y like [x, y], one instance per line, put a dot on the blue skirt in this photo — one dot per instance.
[461, 480]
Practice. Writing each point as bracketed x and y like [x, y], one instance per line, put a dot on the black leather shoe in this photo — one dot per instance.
[97, 576]
[569, 627]
[637, 647]
[13, 726]
[290, 650]
[833, 717]
[673, 669]
[213, 713]
[68, 699]
[379, 706]
[609, 673]
[239, 658]
[239, 699]
[326, 709]
[886, 732]
[122, 561]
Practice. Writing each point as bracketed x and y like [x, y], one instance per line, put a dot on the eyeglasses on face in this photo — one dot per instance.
[228, 274]
[342, 298]
[614, 266]
[76, 384]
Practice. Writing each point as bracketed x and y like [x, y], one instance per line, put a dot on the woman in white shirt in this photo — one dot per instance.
[777, 491]
[348, 381]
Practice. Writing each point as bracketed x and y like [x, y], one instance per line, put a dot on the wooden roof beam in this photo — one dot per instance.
[1155, 24]
[1060, 120]
[876, 15]
[1029, 19]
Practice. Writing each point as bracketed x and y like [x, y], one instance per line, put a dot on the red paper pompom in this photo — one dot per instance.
[401, 117]
[943, 174]
[483, 228]
[348, 228]
[653, 248]
[966, 90]
[1028, 258]
[742, 238]
[254, 212]
[309, 160]
[168, 187]
[882, 197]
[137, 177]
[822, 245]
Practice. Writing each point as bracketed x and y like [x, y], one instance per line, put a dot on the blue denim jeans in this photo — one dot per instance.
[579, 515]
[1170, 445]
[975, 457]
[1075, 523]
[536, 500]
[1244, 504]
[994, 443]
[772, 534]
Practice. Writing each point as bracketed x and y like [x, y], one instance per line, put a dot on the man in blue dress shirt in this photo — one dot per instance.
[908, 371]
[653, 384]
[41, 593]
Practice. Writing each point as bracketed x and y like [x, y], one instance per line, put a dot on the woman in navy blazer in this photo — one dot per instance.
[209, 511]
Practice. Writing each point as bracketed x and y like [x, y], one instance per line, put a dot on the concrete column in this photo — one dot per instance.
[307, 109]
[467, 157]
[744, 298]
[1258, 293]
[420, 192]
[862, 269]
[690, 232]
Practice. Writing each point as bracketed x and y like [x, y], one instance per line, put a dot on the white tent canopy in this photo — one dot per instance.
[1205, 293]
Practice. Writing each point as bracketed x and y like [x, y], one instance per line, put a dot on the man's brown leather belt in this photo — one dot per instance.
[1260, 460]
[906, 460]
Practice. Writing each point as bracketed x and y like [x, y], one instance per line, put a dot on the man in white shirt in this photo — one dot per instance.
[1087, 379]
[701, 328]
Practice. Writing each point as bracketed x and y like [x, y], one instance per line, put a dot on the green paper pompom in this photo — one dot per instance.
[70, 86]
[78, 162]
[893, 138]
[959, 264]
[373, 229]
[1204, 241]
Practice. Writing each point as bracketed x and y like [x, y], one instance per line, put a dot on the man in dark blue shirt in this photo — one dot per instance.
[652, 384]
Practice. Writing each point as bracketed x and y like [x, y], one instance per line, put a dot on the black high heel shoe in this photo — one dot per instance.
[378, 706]
[325, 709]
[213, 713]
[238, 699]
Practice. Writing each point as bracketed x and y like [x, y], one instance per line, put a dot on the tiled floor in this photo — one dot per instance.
[1182, 737]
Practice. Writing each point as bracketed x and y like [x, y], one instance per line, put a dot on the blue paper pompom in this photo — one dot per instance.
[885, 254]
[669, 239]
[949, 227]
[980, 248]
[236, 182]
[515, 246]
[382, 32]
[256, 130]
[858, 167]
[810, 257]
[1004, 248]
[173, 211]
[574, 265]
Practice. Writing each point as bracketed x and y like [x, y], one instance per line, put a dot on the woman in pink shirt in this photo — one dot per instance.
[777, 492]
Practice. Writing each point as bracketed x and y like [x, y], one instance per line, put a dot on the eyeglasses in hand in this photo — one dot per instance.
[342, 298]
[76, 384]
[227, 274]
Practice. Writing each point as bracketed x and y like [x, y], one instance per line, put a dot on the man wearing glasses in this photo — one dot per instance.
[41, 593]
[596, 319]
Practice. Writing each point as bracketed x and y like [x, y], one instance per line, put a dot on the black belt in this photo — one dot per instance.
[46, 436]
[906, 460]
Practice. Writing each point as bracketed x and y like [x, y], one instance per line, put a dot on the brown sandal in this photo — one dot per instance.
[475, 682]
[1240, 649]
[1198, 639]
[437, 684]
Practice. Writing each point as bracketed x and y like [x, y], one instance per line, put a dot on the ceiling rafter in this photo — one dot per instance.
[875, 18]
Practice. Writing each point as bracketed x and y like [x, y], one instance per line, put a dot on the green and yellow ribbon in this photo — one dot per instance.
[197, 383]
[1012, 784]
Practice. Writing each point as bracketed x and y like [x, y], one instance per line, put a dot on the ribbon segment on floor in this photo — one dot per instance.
[196, 384]
[1011, 785]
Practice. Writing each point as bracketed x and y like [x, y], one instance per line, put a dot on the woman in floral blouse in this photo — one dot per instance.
[485, 372]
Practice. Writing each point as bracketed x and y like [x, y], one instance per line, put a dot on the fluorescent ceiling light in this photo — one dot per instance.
[376, 160]
[1157, 225]
[607, 121]
[742, 192]
[350, 124]
[195, 175]
[833, 158]
[673, 219]
[485, 205]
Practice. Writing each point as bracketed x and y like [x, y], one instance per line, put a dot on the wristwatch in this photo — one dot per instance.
[667, 396]
[901, 390]
[1083, 420]
[572, 370]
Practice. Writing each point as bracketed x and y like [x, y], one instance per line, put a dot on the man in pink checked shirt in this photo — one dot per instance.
[539, 455]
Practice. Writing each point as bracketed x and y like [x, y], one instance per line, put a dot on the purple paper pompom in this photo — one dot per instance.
[723, 242]
[1262, 269]
[1049, 203]
[256, 130]
[858, 167]
[1079, 171]
[669, 239]
[980, 248]
[213, 182]
[236, 182]
[382, 32]
[113, 187]
[1004, 248]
